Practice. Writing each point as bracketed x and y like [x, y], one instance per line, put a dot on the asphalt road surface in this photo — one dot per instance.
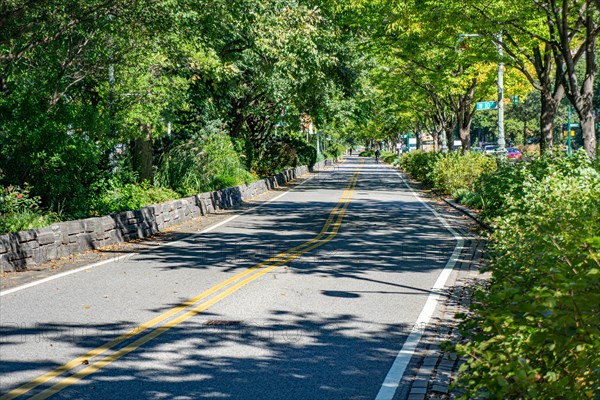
[310, 296]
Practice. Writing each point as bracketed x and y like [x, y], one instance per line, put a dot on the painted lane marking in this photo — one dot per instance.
[143, 327]
[68, 381]
[125, 256]
[394, 376]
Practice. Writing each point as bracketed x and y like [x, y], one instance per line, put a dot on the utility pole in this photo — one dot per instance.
[501, 139]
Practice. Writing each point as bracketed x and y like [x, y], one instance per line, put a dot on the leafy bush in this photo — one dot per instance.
[20, 211]
[390, 158]
[285, 151]
[39, 146]
[333, 151]
[454, 171]
[206, 162]
[471, 199]
[535, 333]
[367, 153]
[494, 187]
[130, 196]
[419, 164]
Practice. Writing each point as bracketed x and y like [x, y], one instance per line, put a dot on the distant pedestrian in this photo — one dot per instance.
[377, 154]
[350, 151]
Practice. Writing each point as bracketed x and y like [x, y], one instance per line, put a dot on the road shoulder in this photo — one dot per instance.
[75, 262]
[433, 369]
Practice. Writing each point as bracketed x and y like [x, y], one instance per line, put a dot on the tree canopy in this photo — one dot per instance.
[94, 90]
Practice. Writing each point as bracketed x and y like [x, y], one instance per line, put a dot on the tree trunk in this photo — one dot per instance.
[465, 136]
[450, 138]
[141, 155]
[464, 112]
[549, 108]
[419, 136]
[581, 97]
[588, 131]
[436, 141]
[464, 117]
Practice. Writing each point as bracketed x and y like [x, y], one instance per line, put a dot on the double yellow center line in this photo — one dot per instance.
[328, 232]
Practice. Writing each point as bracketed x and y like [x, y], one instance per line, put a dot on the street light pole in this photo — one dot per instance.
[501, 139]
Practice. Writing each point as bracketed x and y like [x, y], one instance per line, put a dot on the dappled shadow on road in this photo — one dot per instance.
[388, 239]
[282, 355]
[381, 230]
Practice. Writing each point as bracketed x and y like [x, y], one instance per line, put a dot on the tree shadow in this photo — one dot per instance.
[385, 241]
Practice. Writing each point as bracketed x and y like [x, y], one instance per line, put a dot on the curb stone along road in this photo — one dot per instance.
[468, 212]
[433, 370]
[24, 249]
[123, 250]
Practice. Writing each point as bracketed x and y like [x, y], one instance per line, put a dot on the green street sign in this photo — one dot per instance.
[487, 105]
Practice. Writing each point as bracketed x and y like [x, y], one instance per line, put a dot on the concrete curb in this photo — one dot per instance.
[467, 211]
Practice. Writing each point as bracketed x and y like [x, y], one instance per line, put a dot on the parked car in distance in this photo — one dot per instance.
[514, 153]
[490, 149]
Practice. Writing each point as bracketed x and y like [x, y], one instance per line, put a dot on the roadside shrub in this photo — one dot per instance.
[390, 158]
[470, 199]
[535, 333]
[131, 196]
[494, 187]
[335, 151]
[285, 151]
[454, 171]
[420, 164]
[20, 211]
[206, 162]
[367, 153]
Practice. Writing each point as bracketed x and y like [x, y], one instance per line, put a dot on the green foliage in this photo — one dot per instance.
[131, 196]
[20, 211]
[493, 188]
[419, 164]
[335, 151]
[390, 158]
[537, 334]
[454, 171]
[279, 153]
[206, 162]
[367, 153]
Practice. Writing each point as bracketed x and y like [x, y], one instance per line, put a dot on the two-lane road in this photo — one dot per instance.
[310, 296]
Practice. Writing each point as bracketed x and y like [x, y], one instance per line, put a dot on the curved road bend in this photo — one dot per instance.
[311, 296]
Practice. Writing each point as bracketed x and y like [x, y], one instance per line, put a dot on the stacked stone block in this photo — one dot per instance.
[24, 249]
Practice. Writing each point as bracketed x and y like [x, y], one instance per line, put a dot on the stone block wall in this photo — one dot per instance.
[24, 249]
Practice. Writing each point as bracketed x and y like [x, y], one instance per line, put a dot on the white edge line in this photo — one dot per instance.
[62, 274]
[394, 376]
[119, 258]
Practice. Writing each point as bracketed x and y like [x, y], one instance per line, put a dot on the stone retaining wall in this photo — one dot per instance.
[20, 250]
